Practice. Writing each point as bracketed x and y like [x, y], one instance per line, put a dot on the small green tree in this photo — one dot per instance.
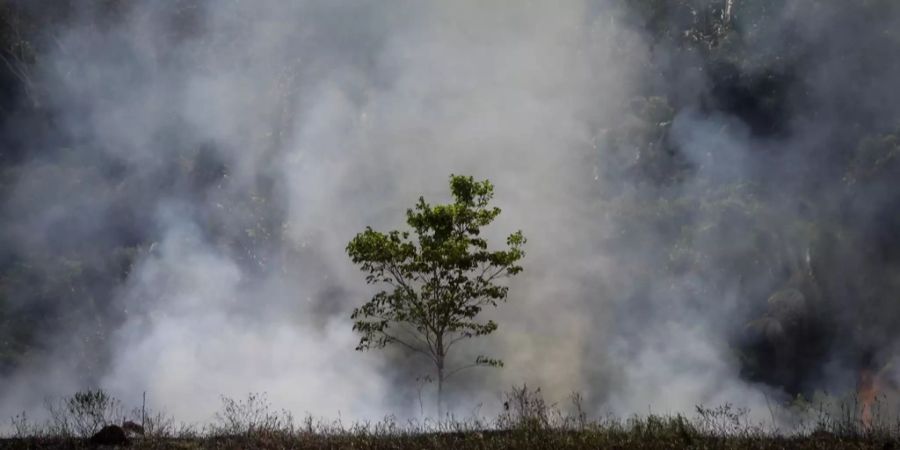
[438, 283]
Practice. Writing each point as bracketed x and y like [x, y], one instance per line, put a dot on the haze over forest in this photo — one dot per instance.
[710, 191]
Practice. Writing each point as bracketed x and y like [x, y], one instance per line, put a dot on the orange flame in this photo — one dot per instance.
[866, 393]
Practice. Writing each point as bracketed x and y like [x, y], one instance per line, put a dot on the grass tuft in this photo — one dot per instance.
[526, 421]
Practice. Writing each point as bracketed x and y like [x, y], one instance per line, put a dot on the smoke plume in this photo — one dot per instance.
[224, 153]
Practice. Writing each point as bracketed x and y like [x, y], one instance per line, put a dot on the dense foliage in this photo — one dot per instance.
[61, 265]
[439, 282]
[765, 151]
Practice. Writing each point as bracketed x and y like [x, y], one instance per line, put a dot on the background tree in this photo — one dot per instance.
[437, 283]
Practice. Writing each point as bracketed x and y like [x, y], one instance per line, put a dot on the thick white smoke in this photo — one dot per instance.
[344, 113]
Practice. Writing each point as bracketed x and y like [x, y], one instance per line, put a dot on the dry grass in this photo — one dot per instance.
[527, 422]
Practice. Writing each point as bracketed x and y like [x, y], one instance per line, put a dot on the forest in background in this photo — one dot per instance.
[784, 201]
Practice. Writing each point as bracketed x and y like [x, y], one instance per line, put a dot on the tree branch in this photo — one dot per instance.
[406, 344]
[460, 369]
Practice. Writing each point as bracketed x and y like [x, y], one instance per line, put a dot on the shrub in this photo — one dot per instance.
[252, 415]
[84, 413]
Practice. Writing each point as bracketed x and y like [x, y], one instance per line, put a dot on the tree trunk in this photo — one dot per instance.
[440, 391]
[439, 362]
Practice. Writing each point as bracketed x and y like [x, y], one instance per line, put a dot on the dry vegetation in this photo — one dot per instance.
[526, 422]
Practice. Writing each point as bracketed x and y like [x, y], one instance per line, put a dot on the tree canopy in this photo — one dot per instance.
[437, 282]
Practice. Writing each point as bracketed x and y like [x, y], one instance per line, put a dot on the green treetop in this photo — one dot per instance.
[438, 282]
